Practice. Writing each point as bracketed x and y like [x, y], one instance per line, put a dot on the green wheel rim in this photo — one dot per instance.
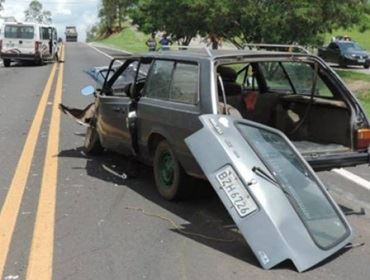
[166, 169]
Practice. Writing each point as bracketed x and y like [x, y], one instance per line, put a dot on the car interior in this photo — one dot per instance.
[296, 98]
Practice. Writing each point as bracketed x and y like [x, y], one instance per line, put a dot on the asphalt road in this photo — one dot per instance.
[79, 219]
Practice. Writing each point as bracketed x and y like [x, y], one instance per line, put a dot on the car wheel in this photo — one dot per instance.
[367, 66]
[170, 178]
[6, 62]
[92, 142]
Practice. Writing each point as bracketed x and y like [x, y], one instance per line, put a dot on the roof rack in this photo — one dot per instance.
[121, 56]
[278, 47]
[182, 48]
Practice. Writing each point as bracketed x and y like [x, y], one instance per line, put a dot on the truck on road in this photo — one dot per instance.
[71, 34]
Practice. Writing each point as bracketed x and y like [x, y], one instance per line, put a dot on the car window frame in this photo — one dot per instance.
[197, 97]
[46, 30]
[175, 61]
[107, 84]
[333, 46]
[145, 89]
[263, 83]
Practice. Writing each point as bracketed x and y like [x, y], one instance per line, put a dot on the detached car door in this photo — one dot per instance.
[279, 204]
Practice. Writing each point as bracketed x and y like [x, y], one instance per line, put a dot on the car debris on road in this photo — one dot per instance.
[81, 116]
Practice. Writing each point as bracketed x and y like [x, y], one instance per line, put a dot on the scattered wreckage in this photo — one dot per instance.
[256, 124]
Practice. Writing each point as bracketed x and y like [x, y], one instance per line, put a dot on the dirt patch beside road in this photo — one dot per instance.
[359, 87]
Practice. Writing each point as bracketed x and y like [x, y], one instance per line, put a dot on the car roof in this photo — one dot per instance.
[204, 54]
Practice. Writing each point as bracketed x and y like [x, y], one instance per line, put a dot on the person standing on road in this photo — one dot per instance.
[165, 42]
[151, 43]
[214, 41]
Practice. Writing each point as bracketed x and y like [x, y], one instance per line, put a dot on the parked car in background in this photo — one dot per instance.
[254, 123]
[345, 53]
[71, 34]
[28, 42]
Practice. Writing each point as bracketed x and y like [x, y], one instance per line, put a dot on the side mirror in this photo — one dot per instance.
[88, 90]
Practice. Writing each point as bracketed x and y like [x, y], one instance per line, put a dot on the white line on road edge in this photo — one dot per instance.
[105, 54]
[101, 52]
[353, 177]
[108, 48]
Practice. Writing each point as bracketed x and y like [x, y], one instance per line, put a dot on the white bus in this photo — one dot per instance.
[27, 41]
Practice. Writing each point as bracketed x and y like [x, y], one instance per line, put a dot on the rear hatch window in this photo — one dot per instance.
[19, 32]
[304, 192]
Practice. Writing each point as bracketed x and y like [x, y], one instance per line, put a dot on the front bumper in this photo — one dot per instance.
[356, 61]
[71, 38]
[20, 56]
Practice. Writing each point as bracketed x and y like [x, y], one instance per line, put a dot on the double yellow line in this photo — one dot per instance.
[41, 254]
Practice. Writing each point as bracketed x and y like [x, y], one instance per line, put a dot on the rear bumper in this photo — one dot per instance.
[20, 56]
[338, 160]
[71, 38]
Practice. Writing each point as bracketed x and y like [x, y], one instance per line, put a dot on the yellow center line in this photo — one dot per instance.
[12, 203]
[40, 263]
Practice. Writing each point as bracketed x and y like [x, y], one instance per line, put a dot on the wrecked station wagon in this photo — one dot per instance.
[256, 124]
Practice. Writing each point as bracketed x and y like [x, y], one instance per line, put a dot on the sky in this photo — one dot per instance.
[81, 13]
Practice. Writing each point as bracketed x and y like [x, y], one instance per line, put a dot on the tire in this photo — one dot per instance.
[366, 66]
[92, 143]
[39, 62]
[342, 64]
[170, 178]
[6, 62]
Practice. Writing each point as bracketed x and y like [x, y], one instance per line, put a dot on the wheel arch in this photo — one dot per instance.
[154, 139]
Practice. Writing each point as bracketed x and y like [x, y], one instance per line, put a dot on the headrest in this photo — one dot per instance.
[227, 74]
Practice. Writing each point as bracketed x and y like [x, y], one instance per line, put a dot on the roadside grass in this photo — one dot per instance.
[128, 39]
[353, 76]
[359, 83]
[364, 98]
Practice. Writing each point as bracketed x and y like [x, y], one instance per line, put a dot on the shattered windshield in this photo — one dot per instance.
[304, 192]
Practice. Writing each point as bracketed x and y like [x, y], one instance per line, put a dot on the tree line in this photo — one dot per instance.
[34, 12]
[238, 21]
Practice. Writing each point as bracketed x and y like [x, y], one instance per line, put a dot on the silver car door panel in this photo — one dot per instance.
[292, 222]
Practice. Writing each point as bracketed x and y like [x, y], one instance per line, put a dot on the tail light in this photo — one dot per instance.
[363, 138]
[37, 46]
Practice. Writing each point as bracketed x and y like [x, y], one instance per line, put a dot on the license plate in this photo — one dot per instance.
[238, 195]
[361, 60]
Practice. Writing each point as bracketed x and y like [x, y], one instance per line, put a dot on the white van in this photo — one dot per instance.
[27, 41]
